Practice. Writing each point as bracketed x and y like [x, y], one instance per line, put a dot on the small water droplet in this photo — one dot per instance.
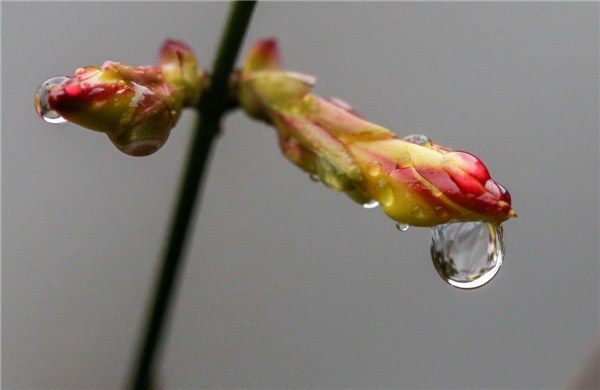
[41, 101]
[441, 212]
[402, 227]
[404, 159]
[371, 205]
[374, 167]
[417, 212]
[314, 177]
[418, 139]
[385, 194]
[467, 254]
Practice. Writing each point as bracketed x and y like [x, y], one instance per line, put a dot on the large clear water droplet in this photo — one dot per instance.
[418, 139]
[41, 101]
[467, 254]
[371, 205]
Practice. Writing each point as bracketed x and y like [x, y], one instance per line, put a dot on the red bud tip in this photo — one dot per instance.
[173, 46]
[264, 55]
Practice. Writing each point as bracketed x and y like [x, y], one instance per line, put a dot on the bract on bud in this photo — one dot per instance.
[135, 106]
[180, 69]
[416, 181]
[264, 55]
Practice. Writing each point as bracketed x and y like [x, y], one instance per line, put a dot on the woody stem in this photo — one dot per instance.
[211, 108]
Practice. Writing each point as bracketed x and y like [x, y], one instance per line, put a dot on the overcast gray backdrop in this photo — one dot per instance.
[288, 284]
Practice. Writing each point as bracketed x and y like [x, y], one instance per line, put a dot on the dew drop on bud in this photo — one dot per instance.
[402, 227]
[404, 160]
[417, 212]
[418, 139]
[314, 177]
[441, 212]
[385, 193]
[371, 205]
[374, 167]
[467, 255]
[41, 101]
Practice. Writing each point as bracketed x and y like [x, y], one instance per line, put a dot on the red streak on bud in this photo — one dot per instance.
[471, 165]
[449, 187]
[411, 178]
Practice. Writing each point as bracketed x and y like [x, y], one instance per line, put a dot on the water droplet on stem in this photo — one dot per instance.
[467, 254]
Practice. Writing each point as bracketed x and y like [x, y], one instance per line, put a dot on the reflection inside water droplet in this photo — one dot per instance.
[467, 254]
[418, 139]
[402, 226]
[41, 101]
[314, 177]
[371, 205]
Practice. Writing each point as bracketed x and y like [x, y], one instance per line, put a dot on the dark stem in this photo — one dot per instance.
[212, 107]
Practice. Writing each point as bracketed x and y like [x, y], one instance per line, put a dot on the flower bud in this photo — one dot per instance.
[135, 106]
[416, 182]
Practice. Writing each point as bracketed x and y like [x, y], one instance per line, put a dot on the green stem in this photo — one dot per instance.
[212, 107]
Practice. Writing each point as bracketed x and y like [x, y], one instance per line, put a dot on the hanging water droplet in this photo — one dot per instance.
[467, 254]
[418, 139]
[371, 205]
[374, 167]
[402, 226]
[41, 101]
[314, 177]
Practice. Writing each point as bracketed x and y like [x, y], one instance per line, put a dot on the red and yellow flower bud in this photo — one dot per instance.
[420, 184]
[135, 106]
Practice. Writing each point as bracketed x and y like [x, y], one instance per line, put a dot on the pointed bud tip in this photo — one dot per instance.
[173, 45]
[264, 55]
[267, 45]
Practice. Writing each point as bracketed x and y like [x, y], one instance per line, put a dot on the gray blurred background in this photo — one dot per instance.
[288, 284]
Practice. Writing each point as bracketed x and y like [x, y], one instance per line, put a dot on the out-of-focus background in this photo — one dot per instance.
[288, 284]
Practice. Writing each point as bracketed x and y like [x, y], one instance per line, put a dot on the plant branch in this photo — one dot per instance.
[212, 107]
